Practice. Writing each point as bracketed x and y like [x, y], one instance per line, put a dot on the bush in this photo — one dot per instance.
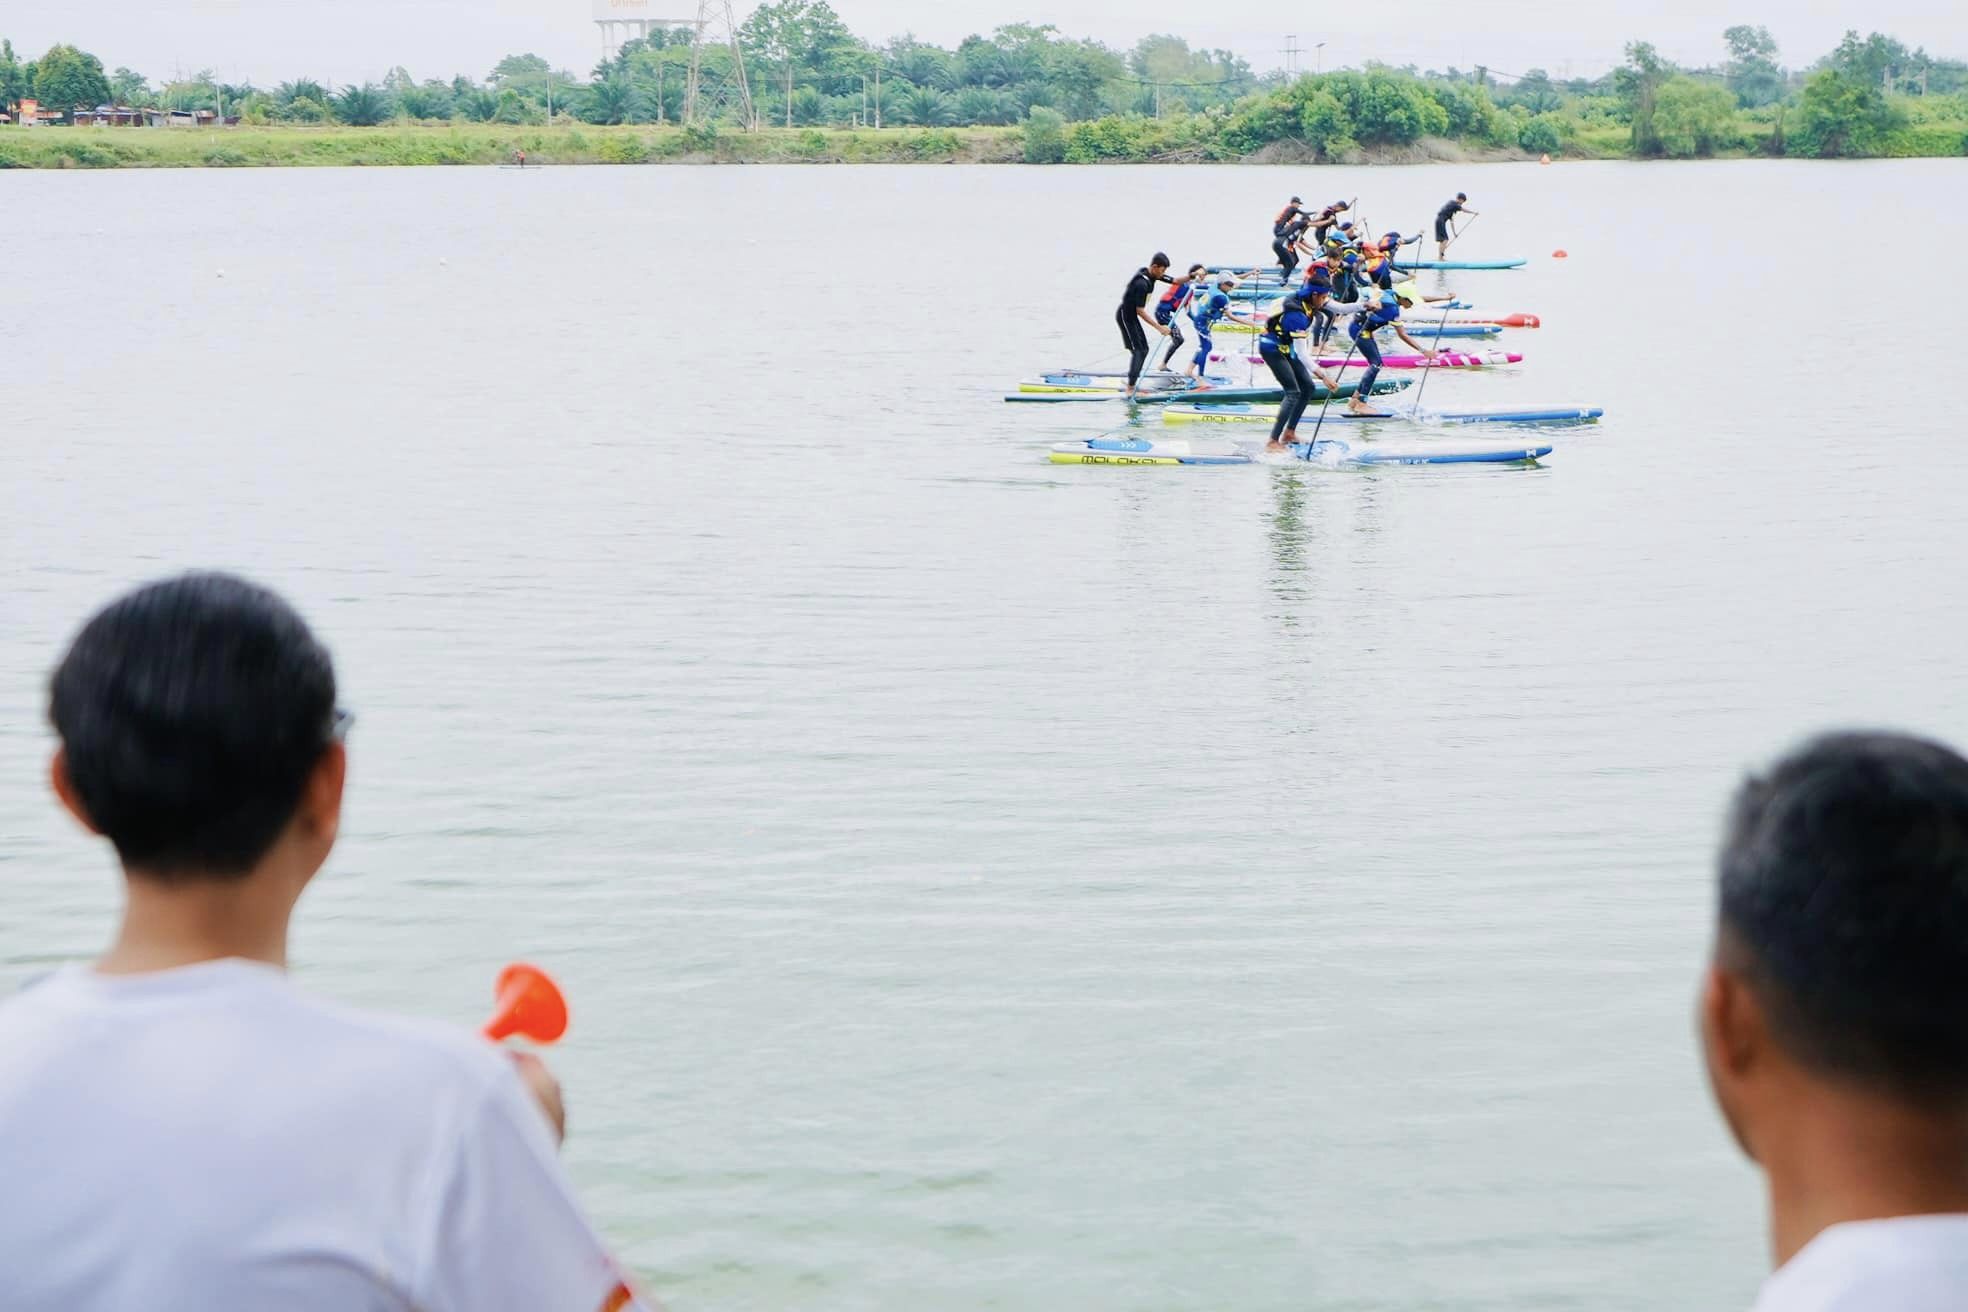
[1045, 136]
[1540, 136]
[1327, 125]
[1842, 117]
[623, 148]
[1691, 118]
[700, 138]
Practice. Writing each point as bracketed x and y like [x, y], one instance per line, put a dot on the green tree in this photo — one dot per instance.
[1877, 60]
[1045, 136]
[808, 35]
[1752, 71]
[1841, 116]
[520, 73]
[511, 107]
[1535, 93]
[362, 107]
[198, 91]
[431, 100]
[613, 100]
[1541, 135]
[475, 104]
[304, 109]
[305, 88]
[923, 106]
[1327, 125]
[127, 87]
[67, 78]
[14, 82]
[1638, 83]
[1692, 118]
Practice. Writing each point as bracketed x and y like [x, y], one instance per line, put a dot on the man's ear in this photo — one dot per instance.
[321, 798]
[64, 786]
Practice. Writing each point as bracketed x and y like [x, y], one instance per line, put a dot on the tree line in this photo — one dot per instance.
[1080, 100]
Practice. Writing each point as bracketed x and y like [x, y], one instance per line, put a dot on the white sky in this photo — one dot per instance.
[350, 40]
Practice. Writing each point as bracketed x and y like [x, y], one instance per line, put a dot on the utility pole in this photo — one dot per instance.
[878, 97]
[1319, 58]
[1290, 53]
[718, 14]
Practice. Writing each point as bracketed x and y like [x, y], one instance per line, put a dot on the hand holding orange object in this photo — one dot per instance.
[530, 1006]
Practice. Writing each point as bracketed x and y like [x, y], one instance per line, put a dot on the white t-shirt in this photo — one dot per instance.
[1904, 1264]
[210, 1138]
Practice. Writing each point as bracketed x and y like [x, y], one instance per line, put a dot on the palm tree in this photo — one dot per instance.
[476, 105]
[362, 107]
[613, 100]
[982, 105]
[304, 88]
[924, 106]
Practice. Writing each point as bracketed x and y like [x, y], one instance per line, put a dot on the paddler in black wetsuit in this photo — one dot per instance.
[1279, 346]
[1134, 319]
[1322, 226]
[1283, 237]
[1460, 205]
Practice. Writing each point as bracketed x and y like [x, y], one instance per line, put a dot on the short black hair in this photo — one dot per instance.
[191, 713]
[1160, 259]
[1844, 883]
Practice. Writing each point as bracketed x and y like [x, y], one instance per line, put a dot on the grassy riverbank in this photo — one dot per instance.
[1127, 139]
[399, 144]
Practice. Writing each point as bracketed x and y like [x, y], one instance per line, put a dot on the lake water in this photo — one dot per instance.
[989, 885]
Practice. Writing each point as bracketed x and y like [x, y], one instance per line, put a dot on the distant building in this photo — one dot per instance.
[180, 118]
[109, 116]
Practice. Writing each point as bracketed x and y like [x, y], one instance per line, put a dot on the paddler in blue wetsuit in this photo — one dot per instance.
[1279, 346]
[1168, 310]
[1207, 308]
[1316, 291]
[1384, 314]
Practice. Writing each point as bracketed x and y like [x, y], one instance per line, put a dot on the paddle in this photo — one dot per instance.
[1331, 392]
[1457, 231]
[1414, 411]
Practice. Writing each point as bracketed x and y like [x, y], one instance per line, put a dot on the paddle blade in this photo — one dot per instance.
[529, 1006]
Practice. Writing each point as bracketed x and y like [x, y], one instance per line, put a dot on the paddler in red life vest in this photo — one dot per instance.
[1168, 310]
[1316, 291]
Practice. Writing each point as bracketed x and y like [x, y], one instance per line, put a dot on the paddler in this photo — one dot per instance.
[1134, 313]
[1285, 231]
[1207, 309]
[1168, 310]
[1278, 345]
[519, 157]
[1385, 313]
[1460, 205]
[1316, 291]
[1322, 226]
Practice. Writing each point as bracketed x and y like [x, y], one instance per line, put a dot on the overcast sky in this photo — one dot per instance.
[351, 40]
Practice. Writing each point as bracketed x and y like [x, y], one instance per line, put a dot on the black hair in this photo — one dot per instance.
[1844, 884]
[191, 713]
[1160, 259]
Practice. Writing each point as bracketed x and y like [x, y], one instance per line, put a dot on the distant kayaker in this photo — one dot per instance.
[1460, 205]
[1133, 314]
[1278, 346]
[519, 157]
[1386, 313]
[1168, 310]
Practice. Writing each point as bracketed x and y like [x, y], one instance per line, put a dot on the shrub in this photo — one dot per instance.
[1540, 136]
[1045, 136]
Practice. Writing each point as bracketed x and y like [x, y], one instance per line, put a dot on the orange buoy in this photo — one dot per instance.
[1559, 255]
[1544, 159]
[530, 1005]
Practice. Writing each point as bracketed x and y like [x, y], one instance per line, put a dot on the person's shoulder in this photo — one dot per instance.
[1910, 1264]
[439, 1051]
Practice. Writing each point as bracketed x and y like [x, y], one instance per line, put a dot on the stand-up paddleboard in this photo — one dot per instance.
[1443, 360]
[1334, 452]
[1204, 398]
[1072, 382]
[1459, 264]
[1417, 326]
[1263, 414]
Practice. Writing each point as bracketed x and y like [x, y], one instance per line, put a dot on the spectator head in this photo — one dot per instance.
[199, 731]
[1841, 957]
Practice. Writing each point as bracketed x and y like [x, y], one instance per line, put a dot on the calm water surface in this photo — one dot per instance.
[980, 884]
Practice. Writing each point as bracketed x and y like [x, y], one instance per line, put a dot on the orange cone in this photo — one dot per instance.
[530, 1006]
